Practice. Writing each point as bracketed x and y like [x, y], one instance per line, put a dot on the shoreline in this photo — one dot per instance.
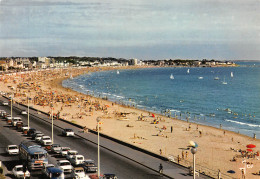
[215, 145]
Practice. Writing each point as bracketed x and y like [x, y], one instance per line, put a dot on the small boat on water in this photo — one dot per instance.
[231, 74]
[188, 71]
[200, 78]
[216, 78]
[171, 77]
[224, 82]
[117, 72]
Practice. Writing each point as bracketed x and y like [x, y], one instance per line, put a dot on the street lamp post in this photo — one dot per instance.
[11, 107]
[98, 120]
[28, 114]
[52, 120]
[193, 151]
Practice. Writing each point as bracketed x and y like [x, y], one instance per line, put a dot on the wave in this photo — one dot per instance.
[243, 123]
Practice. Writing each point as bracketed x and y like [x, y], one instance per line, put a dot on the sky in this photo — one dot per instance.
[142, 29]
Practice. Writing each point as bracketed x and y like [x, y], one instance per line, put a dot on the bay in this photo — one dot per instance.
[196, 96]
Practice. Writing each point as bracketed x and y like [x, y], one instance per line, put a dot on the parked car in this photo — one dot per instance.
[67, 132]
[23, 112]
[55, 148]
[89, 166]
[12, 149]
[18, 172]
[65, 166]
[76, 159]
[45, 140]
[70, 154]
[79, 173]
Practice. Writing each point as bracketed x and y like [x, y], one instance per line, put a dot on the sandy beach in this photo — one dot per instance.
[218, 149]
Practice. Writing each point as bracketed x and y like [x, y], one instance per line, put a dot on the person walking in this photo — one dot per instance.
[160, 168]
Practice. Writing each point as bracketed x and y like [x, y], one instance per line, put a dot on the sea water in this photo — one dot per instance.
[195, 95]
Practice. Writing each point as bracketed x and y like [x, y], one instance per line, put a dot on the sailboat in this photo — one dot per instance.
[188, 71]
[231, 74]
[224, 82]
[172, 77]
[117, 72]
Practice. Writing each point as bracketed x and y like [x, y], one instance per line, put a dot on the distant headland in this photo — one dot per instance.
[28, 63]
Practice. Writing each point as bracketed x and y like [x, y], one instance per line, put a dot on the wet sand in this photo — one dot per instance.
[137, 127]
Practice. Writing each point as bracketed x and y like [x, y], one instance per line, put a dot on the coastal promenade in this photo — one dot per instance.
[216, 147]
[170, 169]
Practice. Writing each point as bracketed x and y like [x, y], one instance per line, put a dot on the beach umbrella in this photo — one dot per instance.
[250, 146]
[153, 115]
[249, 150]
[193, 144]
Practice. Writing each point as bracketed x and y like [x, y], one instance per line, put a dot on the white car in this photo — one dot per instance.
[23, 112]
[15, 120]
[18, 172]
[64, 151]
[45, 140]
[79, 173]
[12, 149]
[77, 159]
[25, 128]
[71, 153]
[67, 132]
[5, 103]
[56, 148]
[65, 166]
[38, 137]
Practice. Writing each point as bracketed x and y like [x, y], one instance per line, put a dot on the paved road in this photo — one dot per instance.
[113, 159]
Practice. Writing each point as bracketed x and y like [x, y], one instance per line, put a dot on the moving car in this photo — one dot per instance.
[70, 154]
[76, 160]
[19, 125]
[45, 140]
[18, 172]
[55, 173]
[79, 173]
[89, 166]
[109, 176]
[12, 149]
[67, 132]
[38, 137]
[55, 148]
[50, 171]
[65, 166]
[15, 120]
[63, 151]
[23, 112]
[31, 131]
[5, 103]
[33, 135]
